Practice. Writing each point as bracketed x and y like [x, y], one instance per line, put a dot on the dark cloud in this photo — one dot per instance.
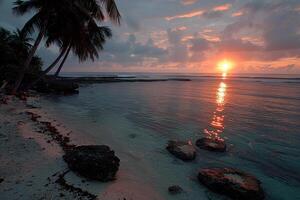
[275, 22]
[130, 51]
[199, 45]
[178, 51]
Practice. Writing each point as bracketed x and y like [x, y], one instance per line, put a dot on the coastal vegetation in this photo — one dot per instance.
[74, 26]
[14, 49]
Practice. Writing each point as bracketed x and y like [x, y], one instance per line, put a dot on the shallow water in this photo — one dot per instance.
[259, 119]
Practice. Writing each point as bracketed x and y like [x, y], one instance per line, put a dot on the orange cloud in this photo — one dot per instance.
[187, 38]
[188, 2]
[237, 14]
[222, 7]
[182, 28]
[186, 15]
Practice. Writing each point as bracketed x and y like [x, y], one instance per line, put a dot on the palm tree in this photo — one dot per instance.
[50, 12]
[94, 38]
[20, 42]
[91, 31]
[5, 50]
[14, 49]
[84, 44]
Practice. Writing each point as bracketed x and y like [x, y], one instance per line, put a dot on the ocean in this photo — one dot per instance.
[258, 116]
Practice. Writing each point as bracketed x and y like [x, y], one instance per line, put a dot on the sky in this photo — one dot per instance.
[192, 36]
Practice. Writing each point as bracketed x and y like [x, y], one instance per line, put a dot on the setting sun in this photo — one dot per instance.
[225, 65]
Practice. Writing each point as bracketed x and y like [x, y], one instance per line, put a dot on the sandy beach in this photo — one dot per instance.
[30, 159]
[32, 166]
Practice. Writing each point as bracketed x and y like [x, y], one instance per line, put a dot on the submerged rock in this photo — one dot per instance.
[96, 162]
[231, 182]
[182, 150]
[175, 189]
[211, 144]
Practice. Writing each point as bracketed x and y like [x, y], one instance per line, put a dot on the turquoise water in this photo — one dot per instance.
[259, 118]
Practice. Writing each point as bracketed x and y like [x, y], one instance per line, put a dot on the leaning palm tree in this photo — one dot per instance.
[47, 12]
[94, 39]
[85, 44]
[90, 34]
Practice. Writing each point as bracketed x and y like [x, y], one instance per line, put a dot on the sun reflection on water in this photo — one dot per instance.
[217, 123]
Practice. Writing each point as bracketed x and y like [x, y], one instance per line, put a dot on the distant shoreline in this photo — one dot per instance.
[116, 79]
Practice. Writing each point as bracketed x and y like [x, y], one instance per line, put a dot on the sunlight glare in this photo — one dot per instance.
[224, 66]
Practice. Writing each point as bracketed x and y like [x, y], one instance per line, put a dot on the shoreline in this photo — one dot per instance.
[117, 79]
[33, 164]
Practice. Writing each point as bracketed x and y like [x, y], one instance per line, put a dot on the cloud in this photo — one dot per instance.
[222, 7]
[199, 45]
[186, 15]
[213, 13]
[132, 23]
[237, 14]
[178, 51]
[188, 2]
[276, 22]
[262, 34]
[131, 51]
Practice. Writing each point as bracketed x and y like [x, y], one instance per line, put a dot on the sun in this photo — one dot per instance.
[224, 66]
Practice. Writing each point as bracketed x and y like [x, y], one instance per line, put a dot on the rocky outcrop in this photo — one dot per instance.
[175, 189]
[182, 150]
[96, 162]
[231, 182]
[211, 144]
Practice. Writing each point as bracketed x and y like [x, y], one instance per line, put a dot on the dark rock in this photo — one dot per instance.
[1, 180]
[94, 162]
[231, 182]
[182, 150]
[175, 189]
[211, 144]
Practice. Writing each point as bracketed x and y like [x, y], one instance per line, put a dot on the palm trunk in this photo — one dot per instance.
[48, 69]
[63, 61]
[28, 60]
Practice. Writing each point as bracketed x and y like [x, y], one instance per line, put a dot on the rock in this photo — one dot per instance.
[96, 162]
[231, 182]
[175, 189]
[182, 150]
[1, 180]
[211, 144]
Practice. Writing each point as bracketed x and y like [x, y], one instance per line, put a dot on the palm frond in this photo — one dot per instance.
[22, 7]
[32, 23]
[112, 10]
